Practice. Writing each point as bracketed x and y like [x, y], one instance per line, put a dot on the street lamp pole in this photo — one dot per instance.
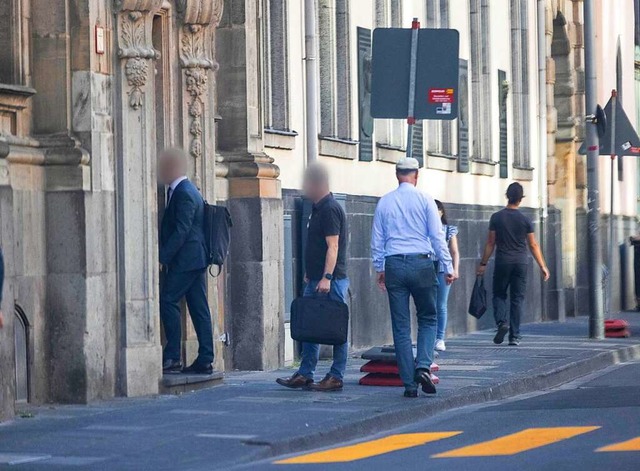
[596, 316]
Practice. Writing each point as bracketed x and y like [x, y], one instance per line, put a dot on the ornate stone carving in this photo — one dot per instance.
[136, 72]
[133, 37]
[200, 12]
[199, 17]
[138, 5]
[135, 45]
[193, 51]
[196, 63]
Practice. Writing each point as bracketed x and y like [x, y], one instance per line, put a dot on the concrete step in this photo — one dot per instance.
[181, 383]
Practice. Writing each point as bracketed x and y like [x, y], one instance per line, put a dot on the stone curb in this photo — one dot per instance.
[528, 382]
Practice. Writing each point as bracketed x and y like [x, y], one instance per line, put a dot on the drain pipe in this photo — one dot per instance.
[311, 91]
[542, 140]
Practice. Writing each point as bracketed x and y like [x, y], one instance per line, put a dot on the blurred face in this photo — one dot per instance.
[310, 189]
[169, 169]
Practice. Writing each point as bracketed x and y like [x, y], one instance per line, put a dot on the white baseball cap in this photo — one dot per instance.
[408, 163]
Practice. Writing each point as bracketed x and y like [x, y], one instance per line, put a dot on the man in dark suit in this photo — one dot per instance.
[184, 264]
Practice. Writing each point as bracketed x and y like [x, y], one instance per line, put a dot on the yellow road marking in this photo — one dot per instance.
[629, 445]
[368, 449]
[518, 442]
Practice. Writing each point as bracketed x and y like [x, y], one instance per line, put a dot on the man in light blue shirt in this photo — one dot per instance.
[407, 237]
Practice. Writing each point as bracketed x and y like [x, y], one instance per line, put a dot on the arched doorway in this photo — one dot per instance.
[21, 346]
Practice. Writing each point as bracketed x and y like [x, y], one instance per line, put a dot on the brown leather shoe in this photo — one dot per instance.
[297, 381]
[329, 383]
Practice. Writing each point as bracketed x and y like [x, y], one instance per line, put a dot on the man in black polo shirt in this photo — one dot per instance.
[326, 273]
[511, 231]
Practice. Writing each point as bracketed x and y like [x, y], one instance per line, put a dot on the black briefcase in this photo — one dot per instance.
[318, 319]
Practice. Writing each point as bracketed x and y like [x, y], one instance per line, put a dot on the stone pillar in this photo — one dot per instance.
[140, 354]
[70, 111]
[198, 22]
[7, 358]
[255, 269]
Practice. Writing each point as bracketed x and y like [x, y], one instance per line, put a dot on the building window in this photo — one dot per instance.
[389, 133]
[481, 85]
[335, 85]
[275, 82]
[439, 133]
[14, 52]
[519, 87]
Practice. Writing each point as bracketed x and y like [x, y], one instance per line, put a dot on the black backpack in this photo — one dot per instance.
[217, 234]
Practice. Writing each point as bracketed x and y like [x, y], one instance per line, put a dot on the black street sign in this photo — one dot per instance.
[436, 91]
[626, 139]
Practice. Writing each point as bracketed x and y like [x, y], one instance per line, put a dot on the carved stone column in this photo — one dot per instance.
[139, 350]
[198, 20]
[7, 352]
[255, 283]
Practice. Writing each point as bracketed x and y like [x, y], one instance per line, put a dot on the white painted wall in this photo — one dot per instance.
[376, 178]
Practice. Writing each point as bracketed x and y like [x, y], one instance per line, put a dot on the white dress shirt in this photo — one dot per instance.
[407, 222]
[173, 186]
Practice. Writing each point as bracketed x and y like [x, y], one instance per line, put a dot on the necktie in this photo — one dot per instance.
[169, 193]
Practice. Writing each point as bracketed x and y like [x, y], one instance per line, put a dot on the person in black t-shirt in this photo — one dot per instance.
[512, 232]
[326, 273]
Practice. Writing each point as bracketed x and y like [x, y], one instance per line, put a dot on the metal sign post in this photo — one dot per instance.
[596, 318]
[614, 99]
[411, 120]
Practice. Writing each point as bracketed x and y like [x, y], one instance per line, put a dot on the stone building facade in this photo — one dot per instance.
[91, 90]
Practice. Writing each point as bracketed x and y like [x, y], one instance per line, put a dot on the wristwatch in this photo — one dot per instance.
[483, 264]
[328, 276]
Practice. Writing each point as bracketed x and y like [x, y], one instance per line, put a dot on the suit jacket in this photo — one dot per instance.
[182, 242]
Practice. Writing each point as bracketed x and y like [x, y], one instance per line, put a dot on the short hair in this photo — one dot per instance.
[317, 174]
[515, 193]
[405, 171]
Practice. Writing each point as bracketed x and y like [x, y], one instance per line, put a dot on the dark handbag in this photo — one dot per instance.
[318, 319]
[478, 303]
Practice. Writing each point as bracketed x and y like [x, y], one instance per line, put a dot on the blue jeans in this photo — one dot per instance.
[412, 276]
[311, 351]
[442, 299]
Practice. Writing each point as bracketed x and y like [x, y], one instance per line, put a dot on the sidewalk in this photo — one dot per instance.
[250, 417]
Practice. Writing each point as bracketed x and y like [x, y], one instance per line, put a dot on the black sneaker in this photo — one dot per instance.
[423, 377]
[503, 329]
[514, 342]
[171, 366]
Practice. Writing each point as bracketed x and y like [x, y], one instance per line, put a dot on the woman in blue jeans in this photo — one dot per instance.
[443, 288]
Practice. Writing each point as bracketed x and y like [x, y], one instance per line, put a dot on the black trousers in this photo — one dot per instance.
[511, 279]
[192, 286]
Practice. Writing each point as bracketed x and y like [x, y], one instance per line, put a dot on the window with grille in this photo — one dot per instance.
[275, 68]
[334, 60]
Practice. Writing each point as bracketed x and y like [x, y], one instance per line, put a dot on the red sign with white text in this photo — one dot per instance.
[441, 95]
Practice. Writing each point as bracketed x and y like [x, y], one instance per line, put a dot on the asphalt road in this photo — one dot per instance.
[590, 424]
